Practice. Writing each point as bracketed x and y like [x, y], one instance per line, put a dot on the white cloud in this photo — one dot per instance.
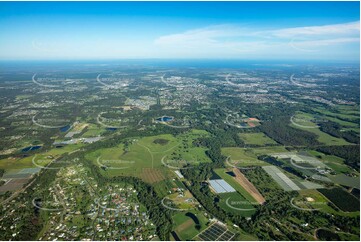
[232, 40]
[352, 28]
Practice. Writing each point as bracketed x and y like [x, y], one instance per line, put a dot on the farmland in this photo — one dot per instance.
[313, 200]
[256, 139]
[189, 224]
[342, 199]
[241, 157]
[158, 153]
[148, 154]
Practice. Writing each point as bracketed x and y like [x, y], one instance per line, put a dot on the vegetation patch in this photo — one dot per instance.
[327, 235]
[161, 141]
[256, 139]
[342, 199]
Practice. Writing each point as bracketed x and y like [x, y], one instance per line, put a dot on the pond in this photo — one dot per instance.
[165, 119]
[231, 173]
[65, 128]
[30, 148]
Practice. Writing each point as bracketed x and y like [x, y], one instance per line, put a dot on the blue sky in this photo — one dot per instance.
[206, 30]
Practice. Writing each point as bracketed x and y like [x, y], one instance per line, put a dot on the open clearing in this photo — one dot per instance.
[318, 201]
[235, 203]
[185, 225]
[322, 136]
[256, 139]
[241, 157]
[147, 153]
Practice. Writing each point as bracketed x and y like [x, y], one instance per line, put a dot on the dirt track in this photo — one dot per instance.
[248, 186]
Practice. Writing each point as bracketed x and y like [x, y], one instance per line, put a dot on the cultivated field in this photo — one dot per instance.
[342, 199]
[281, 179]
[152, 175]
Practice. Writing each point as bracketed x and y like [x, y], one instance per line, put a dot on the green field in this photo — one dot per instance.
[322, 136]
[235, 203]
[93, 130]
[344, 180]
[256, 139]
[148, 152]
[185, 227]
[347, 116]
[129, 162]
[341, 113]
[248, 156]
[10, 164]
[319, 202]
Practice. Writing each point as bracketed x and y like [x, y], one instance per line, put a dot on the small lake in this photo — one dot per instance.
[65, 128]
[30, 148]
[165, 119]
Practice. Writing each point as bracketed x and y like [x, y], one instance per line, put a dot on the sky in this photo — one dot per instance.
[180, 30]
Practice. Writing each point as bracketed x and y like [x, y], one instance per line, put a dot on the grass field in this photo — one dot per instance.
[10, 164]
[131, 162]
[322, 136]
[318, 201]
[248, 156]
[143, 157]
[347, 116]
[185, 226]
[256, 139]
[342, 113]
[235, 203]
[13, 164]
[93, 130]
[344, 180]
